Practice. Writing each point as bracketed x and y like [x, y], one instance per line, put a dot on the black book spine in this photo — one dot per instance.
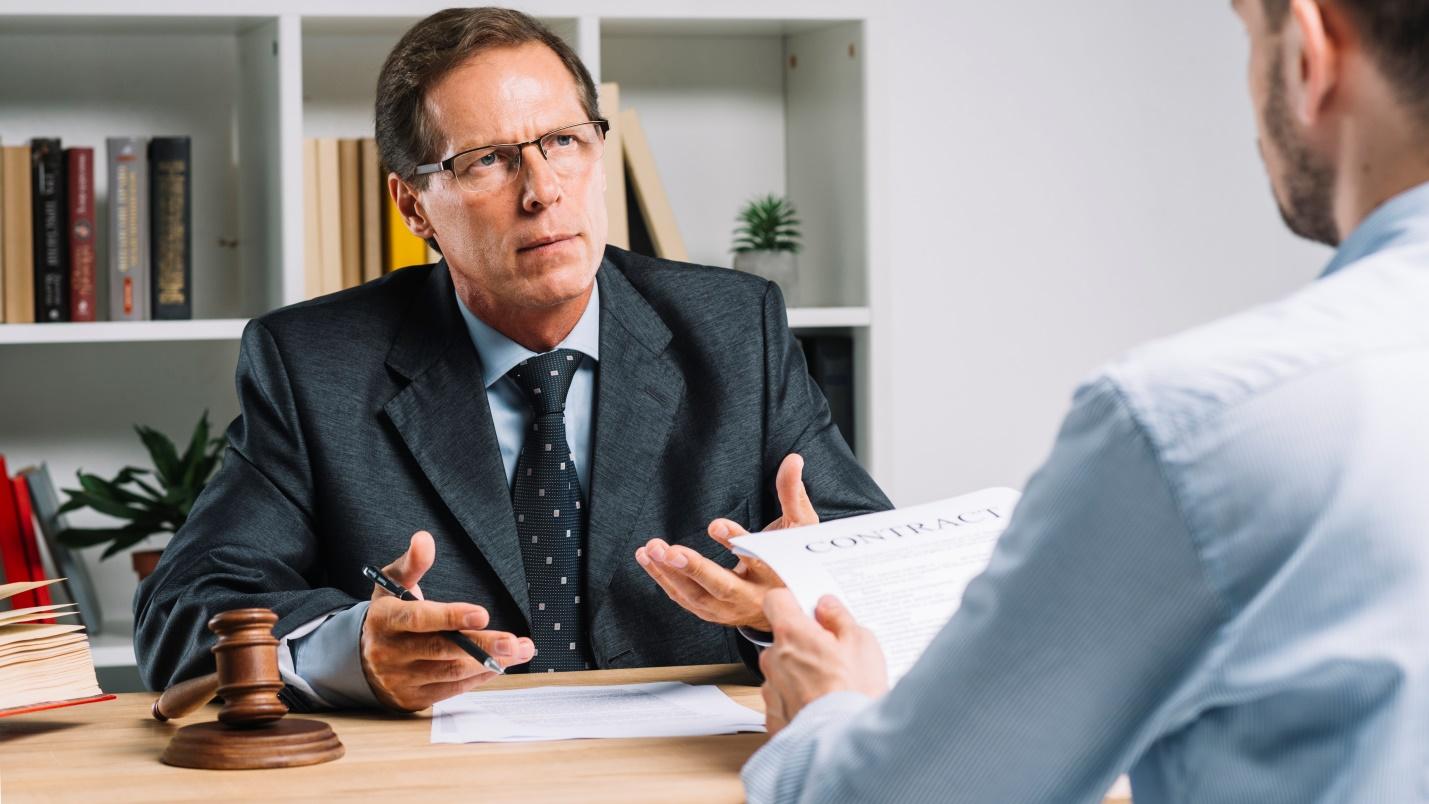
[171, 228]
[47, 188]
[830, 359]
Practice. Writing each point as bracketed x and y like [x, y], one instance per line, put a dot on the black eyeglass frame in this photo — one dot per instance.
[449, 164]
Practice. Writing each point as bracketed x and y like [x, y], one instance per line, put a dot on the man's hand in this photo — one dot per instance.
[811, 659]
[408, 663]
[718, 595]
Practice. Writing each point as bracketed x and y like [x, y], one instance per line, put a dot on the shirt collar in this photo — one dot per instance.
[499, 354]
[1403, 218]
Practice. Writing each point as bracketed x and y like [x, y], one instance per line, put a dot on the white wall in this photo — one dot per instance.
[1091, 181]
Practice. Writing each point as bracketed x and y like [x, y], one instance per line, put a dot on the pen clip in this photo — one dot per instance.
[388, 585]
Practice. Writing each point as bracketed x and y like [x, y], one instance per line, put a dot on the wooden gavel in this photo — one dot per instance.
[247, 678]
[250, 731]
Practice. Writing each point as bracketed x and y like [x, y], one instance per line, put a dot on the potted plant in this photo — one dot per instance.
[147, 508]
[767, 240]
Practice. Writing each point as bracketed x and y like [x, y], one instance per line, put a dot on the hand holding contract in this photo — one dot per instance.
[901, 574]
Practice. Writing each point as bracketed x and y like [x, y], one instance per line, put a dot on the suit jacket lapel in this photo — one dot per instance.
[444, 419]
[638, 392]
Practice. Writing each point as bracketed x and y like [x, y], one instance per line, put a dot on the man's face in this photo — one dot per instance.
[1302, 179]
[538, 241]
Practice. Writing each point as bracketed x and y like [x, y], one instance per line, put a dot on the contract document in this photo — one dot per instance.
[659, 709]
[901, 573]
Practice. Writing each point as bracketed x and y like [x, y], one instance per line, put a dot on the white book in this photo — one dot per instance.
[900, 573]
[128, 228]
[42, 663]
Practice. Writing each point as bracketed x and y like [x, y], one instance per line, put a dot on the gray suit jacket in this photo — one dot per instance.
[363, 419]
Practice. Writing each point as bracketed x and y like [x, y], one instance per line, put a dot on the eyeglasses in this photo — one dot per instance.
[569, 150]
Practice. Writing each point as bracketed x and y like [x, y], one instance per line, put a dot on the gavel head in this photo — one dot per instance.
[247, 657]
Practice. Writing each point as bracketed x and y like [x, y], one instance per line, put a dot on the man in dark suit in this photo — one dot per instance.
[461, 415]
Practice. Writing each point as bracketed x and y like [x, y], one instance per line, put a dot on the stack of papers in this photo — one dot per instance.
[660, 709]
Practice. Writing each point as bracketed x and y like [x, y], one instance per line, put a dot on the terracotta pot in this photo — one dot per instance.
[145, 561]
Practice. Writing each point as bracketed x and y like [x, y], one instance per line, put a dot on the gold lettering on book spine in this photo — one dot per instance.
[169, 251]
[126, 196]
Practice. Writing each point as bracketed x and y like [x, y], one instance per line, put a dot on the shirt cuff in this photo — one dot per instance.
[778, 771]
[321, 659]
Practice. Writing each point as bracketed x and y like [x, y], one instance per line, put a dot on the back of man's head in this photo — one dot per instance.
[1396, 37]
[1341, 88]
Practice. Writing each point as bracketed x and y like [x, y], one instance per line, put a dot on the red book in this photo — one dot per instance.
[12, 550]
[80, 225]
[24, 710]
[29, 542]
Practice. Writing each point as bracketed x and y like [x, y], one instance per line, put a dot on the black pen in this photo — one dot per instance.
[457, 638]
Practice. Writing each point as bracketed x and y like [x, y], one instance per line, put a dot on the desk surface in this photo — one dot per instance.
[110, 751]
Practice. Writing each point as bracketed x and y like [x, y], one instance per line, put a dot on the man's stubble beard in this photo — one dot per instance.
[1308, 180]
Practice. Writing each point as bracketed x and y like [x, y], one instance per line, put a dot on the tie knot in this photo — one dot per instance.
[546, 378]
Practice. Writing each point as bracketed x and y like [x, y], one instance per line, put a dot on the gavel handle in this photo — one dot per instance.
[185, 697]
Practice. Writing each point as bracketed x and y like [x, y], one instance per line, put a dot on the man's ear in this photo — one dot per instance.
[410, 205]
[1313, 46]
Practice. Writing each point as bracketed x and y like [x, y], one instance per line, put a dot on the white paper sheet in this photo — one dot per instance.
[901, 573]
[660, 709]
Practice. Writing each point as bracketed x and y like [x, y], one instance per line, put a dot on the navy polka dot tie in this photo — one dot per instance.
[550, 519]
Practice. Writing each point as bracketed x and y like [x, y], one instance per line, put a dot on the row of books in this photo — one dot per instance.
[45, 659]
[49, 234]
[30, 549]
[354, 233]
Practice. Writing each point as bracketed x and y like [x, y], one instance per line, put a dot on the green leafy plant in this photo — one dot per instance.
[146, 508]
[767, 224]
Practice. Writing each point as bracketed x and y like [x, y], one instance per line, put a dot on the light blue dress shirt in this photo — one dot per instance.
[1219, 580]
[321, 658]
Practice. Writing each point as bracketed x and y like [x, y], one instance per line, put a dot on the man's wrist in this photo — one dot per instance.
[329, 660]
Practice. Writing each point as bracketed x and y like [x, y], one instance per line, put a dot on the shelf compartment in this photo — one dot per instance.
[735, 109]
[211, 78]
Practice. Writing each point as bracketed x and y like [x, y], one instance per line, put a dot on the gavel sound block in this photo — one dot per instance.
[250, 731]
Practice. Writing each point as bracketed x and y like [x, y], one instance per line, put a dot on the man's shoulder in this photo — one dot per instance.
[667, 284]
[1176, 383]
[366, 314]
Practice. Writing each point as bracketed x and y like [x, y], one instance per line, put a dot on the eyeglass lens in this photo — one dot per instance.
[569, 151]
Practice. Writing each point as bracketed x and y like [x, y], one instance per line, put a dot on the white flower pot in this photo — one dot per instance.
[779, 267]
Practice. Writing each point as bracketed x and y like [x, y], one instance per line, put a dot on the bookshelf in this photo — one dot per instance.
[738, 99]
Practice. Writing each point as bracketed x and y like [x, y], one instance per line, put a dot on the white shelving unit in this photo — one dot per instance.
[739, 98]
[209, 329]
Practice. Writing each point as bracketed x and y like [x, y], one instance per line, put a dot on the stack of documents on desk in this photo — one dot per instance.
[660, 709]
[42, 664]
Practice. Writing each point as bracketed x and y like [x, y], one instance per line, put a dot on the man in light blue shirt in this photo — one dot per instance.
[1219, 581]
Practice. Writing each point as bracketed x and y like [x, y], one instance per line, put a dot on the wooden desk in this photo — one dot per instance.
[110, 752]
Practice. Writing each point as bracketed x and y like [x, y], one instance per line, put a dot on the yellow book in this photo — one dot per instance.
[350, 211]
[403, 247]
[649, 191]
[312, 228]
[330, 213]
[618, 228]
[374, 189]
[18, 262]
